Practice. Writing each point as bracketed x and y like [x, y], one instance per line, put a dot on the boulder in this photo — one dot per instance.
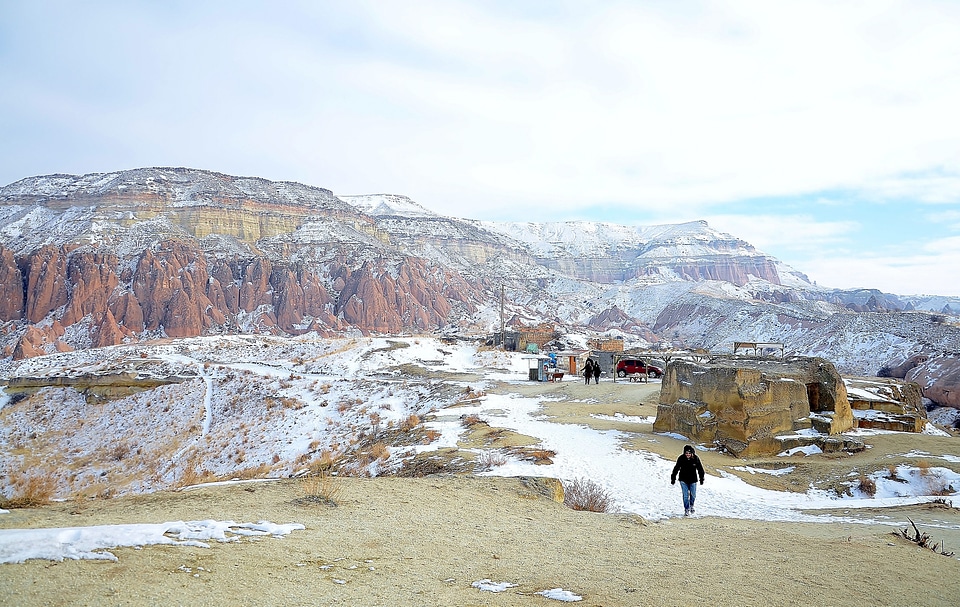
[886, 404]
[743, 403]
[939, 377]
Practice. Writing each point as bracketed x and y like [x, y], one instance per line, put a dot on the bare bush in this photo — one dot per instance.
[584, 494]
[321, 488]
[30, 491]
[412, 421]
[489, 459]
[380, 451]
[867, 485]
[923, 539]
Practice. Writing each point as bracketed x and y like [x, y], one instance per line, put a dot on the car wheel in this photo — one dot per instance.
[652, 374]
[621, 373]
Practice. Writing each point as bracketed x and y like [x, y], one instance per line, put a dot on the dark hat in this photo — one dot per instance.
[688, 448]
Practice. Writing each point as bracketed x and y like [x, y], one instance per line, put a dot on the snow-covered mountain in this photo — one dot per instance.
[111, 258]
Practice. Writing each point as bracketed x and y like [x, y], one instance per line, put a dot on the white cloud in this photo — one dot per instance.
[800, 234]
[927, 271]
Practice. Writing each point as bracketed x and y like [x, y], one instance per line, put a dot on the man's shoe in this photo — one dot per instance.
[692, 511]
[686, 512]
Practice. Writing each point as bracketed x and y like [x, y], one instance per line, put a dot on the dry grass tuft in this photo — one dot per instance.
[325, 463]
[380, 451]
[867, 485]
[470, 420]
[412, 421]
[191, 476]
[31, 491]
[584, 494]
[489, 459]
[322, 488]
[261, 471]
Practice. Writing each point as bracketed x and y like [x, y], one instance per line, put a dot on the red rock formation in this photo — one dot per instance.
[109, 333]
[373, 300]
[170, 285]
[37, 341]
[93, 278]
[296, 295]
[256, 289]
[11, 287]
[126, 308]
[46, 282]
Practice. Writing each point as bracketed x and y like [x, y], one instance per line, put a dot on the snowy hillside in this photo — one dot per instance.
[255, 407]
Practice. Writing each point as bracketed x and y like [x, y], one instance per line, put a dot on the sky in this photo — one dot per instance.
[823, 133]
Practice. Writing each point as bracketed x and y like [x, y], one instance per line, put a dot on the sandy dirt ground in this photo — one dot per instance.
[424, 541]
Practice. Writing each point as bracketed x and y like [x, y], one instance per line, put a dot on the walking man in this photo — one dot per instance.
[596, 373]
[689, 469]
[588, 371]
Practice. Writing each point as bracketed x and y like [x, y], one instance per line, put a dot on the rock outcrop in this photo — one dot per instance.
[938, 376]
[742, 404]
[173, 289]
[11, 287]
[886, 404]
[940, 379]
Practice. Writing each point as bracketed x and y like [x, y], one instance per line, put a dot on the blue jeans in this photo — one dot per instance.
[689, 491]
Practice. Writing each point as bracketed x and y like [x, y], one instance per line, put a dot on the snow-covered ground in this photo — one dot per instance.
[335, 391]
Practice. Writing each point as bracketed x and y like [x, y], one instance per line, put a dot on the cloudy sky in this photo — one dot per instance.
[826, 134]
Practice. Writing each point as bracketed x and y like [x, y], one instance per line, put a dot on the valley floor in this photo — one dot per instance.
[426, 541]
[399, 542]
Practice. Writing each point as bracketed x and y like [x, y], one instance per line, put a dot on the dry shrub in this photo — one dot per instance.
[321, 488]
[488, 459]
[584, 494]
[261, 471]
[379, 451]
[30, 491]
[412, 421]
[542, 456]
[193, 477]
[867, 485]
[430, 435]
[325, 463]
[470, 420]
[892, 473]
[923, 466]
[119, 451]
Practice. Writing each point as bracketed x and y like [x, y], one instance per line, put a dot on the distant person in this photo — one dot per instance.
[689, 469]
[596, 373]
[587, 371]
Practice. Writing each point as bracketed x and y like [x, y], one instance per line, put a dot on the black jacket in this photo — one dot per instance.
[689, 469]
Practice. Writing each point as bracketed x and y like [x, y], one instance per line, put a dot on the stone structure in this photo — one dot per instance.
[742, 404]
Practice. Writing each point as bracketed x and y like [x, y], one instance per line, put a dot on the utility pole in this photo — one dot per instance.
[503, 329]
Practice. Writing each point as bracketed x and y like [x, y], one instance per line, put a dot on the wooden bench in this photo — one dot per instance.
[637, 377]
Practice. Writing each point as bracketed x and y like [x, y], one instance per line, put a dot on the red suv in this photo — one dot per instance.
[633, 366]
